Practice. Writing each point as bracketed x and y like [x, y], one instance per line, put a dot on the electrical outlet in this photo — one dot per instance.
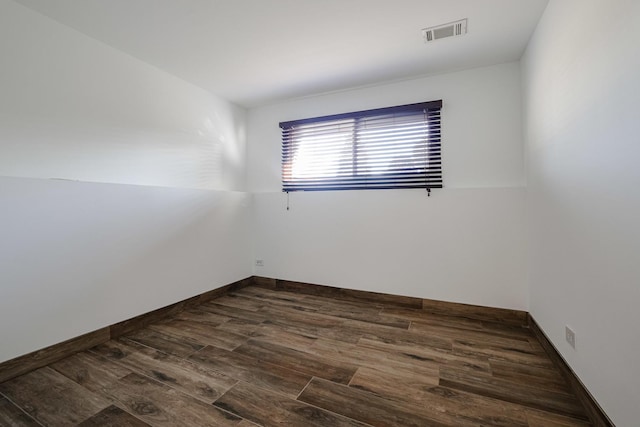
[259, 263]
[571, 336]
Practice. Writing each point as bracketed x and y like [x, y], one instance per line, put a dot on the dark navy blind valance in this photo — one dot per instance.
[394, 147]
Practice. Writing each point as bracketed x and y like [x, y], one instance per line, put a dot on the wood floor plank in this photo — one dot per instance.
[486, 385]
[113, 416]
[161, 405]
[276, 299]
[447, 406]
[240, 326]
[504, 367]
[299, 361]
[273, 333]
[340, 310]
[272, 409]
[357, 314]
[474, 409]
[310, 324]
[344, 304]
[540, 377]
[307, 318]
[392, 335]
[517, 351]
[498, 315]
[188, 377]
[380, 298]
[91, 371]
[177, 345]
[253, 371]
[393, 382]
[320, 304]
[361, 405]
[451, 331]
[202, 316]
[12, 416]
[232, 312]
[373, 358]
[199, 332]
[51, 398]
[336, 332]
[431, 355]
[419, 315]
[507, 330]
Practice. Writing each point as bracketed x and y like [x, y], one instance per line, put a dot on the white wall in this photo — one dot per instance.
[163, 217]
[71, 107]
[78, 256]
[465, 243]
[581, 92]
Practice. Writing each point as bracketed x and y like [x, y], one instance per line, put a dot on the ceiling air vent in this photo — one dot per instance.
[451, 29]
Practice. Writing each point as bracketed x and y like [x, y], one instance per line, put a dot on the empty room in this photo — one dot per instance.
[319, 213]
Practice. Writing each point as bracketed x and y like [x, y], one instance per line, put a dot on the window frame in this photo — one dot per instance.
[429, 177]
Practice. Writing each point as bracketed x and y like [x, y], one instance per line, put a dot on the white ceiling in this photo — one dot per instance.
[254, 52]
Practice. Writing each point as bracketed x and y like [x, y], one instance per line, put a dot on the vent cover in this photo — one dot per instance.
[451, 29]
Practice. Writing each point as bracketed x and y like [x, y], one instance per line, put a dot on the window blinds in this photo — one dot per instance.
[394, 147]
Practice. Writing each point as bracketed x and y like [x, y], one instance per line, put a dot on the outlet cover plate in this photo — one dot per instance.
[570, 336]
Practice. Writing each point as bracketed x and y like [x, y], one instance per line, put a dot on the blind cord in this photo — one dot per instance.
[287, 200]
[428, 192]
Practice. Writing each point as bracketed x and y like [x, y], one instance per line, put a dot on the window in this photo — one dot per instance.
[395, 147]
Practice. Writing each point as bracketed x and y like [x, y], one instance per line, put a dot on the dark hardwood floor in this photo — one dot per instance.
[266, 357]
